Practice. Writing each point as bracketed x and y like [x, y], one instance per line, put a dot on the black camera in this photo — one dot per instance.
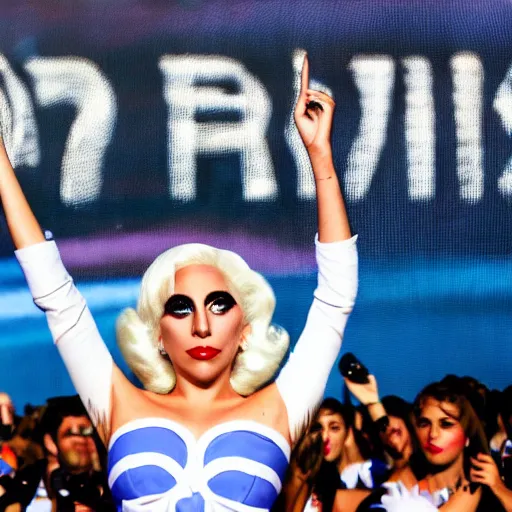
[86, 488]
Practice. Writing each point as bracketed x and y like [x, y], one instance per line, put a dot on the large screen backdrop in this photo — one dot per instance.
[136, 125]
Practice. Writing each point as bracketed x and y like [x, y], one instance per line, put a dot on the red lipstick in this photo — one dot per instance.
[203, 353]
[327, 449]
[433, 449]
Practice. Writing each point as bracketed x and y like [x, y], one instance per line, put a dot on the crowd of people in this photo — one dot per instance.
[223, 423]
[51, 459]
[451, 449]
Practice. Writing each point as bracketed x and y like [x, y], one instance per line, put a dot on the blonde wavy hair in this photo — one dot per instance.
[138, 331]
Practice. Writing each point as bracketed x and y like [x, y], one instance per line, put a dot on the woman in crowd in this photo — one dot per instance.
[392, 423]
[402, 450]
[342, 466]
[461, 475]
[503, 452]
[208, 432]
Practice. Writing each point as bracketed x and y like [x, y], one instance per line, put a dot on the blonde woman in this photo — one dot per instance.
[208, 432]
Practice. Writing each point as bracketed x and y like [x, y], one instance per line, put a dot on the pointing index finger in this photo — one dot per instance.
[305, 75]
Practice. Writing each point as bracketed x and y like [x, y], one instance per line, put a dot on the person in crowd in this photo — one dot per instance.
[8, 460]
[25, 441]
[21, 466]
[7, 417]
[305, 463]
[392, 423]
[53, 446]
[496, 432]
[208, 431]
[342, 467]
[461, 475]
[335, 421]
[501, 442]
[73, 477]
[505, 411]
[401, 447]
[28, 445]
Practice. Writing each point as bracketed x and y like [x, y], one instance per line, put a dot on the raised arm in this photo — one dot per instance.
[313, 116]
[368, 395]
[302, 381]
[73, 329]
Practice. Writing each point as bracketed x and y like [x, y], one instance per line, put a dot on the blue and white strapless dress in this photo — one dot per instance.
[157, 465]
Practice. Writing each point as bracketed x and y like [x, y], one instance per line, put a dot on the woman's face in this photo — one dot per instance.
[398, 439]
[203, 326]
[440, 433]
[334, 434]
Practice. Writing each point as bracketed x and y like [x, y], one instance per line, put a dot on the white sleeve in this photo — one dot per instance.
[303, 378]
[74, 331]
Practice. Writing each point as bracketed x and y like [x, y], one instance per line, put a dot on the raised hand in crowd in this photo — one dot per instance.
[484, 471]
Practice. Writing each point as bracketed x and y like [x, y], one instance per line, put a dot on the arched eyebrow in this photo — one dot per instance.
[448, 417]
[451, 416]
[216, 295]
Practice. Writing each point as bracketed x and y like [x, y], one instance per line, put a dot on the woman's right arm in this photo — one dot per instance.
[73, 329]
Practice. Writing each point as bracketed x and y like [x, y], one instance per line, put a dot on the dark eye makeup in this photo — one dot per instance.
[180, 306]
[219, 302]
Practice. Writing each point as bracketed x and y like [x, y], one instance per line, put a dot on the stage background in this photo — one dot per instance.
[138, 125]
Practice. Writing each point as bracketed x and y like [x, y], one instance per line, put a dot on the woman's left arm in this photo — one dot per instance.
[302, 381]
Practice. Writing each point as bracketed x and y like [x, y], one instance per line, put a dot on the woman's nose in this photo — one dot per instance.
[201, 327]
[433, 433]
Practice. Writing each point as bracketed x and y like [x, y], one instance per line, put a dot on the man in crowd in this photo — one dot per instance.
[73, 475]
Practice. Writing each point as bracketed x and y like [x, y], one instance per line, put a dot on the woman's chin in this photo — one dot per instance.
[205, 375]
[330, 457]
